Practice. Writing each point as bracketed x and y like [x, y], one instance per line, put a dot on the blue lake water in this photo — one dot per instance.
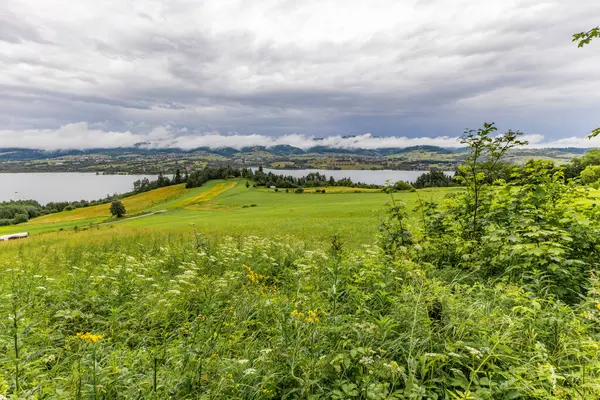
[69, 186]
[72, 186]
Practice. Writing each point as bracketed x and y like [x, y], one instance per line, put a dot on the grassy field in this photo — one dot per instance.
[264, 304]
[226, 208]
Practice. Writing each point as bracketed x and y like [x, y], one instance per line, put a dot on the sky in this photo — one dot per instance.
[232, 73]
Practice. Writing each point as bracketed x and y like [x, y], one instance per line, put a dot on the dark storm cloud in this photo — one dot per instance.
[275, 67]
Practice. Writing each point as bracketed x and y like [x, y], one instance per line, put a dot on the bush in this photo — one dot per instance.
[5, 222]
[591, 174]
[402, 186]
[299, 190]
[20, 218]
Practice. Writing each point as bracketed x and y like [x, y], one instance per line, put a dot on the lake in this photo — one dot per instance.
[378, 177]
[73, 186]
[68, 186]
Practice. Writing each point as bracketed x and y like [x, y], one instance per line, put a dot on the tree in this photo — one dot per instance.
[177, 179]
[484, 154]
[162, 180]
[433, 178]
[117, 209]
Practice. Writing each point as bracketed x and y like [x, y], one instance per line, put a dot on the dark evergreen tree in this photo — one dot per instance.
[177, 179]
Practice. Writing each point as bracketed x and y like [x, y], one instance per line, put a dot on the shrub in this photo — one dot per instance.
[402, 186]
[299, 190]
[20, 218]
[591, 174]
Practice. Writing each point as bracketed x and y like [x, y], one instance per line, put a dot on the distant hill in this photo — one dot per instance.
[279, 151]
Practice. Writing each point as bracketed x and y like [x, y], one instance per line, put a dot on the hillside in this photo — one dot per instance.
[229, 208]
[152, 161]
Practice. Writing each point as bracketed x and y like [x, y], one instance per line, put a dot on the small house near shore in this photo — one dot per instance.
[14, 236]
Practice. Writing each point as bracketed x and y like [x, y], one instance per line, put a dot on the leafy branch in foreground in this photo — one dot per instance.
[584, 38]
[485, 152]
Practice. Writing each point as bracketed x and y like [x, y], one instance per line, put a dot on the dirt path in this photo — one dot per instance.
[132, 218]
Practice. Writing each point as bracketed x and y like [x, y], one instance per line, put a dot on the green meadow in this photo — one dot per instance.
[234, 292]
[228, 208]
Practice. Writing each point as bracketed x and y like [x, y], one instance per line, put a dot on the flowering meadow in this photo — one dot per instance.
[156, 317]
[494, 295]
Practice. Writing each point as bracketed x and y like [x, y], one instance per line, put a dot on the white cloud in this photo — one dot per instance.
[79, 136]
[395, 68]
[71, 136]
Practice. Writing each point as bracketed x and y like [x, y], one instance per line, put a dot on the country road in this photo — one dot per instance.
[132, 218]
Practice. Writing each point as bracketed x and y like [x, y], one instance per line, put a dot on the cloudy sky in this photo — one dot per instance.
[189, 73]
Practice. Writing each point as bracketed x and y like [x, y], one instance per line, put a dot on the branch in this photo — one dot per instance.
[584, 38]
[594, 133]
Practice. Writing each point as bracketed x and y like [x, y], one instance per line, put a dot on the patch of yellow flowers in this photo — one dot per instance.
[252, 276]
[89, 338]
[310, 317]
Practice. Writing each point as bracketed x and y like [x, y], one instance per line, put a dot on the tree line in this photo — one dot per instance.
[582, 170]
[268, 179]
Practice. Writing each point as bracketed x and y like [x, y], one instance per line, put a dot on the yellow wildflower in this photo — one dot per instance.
[184, 331]
[90, 338]
[311, 317]
[252, 276]
[598, 305]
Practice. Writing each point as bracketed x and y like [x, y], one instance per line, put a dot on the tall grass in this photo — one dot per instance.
[180, 316]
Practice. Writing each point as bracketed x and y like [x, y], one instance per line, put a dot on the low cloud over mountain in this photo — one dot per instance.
[416, 70]
[80, 136]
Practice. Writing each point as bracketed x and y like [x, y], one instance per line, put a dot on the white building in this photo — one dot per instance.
[14, 236]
